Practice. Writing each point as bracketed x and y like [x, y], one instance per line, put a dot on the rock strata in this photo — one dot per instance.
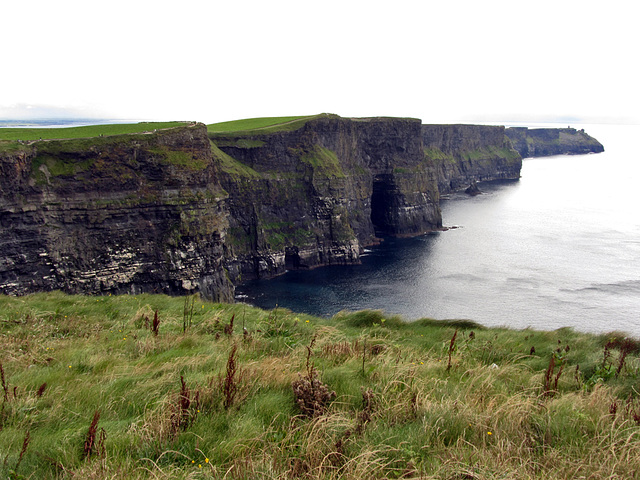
[122, 214]
[316, 195]
[463, 154]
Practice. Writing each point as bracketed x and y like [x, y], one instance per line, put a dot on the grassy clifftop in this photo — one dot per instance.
[260, 125]
[29, 134]
[105, 387]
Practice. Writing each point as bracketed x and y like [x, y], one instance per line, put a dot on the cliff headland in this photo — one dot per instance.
[542, 142]
[178, 208]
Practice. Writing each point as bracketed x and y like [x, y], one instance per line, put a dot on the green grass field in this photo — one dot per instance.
[29, 134]
[264, 125]
[99, 387]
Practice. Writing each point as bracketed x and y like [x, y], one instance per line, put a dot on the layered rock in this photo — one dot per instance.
[467, 154]
[179, 211]
[540, 142]
[318, 194]
[127, 213]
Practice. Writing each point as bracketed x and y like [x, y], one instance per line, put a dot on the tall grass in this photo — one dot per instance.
[379, 398]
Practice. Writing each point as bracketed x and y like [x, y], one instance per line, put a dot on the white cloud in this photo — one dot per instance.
[215, 61]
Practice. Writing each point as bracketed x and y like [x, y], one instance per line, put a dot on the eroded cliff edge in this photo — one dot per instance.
[183, 210]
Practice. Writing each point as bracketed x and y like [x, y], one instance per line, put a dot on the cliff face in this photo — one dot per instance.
[540, 142]
[128, 213]
[179, 210]
[464, 154]
[317, 195]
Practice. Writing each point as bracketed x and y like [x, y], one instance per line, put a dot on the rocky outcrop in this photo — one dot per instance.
[316, 195]
[128, 213]
[467, 154]
[540, 142]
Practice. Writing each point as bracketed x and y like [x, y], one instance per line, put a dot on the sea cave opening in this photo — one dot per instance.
[382, 199]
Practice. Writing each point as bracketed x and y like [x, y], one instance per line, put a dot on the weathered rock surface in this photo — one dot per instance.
[541, 142]
[128, 213]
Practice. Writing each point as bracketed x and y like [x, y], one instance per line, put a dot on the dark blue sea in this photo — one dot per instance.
[559, 247]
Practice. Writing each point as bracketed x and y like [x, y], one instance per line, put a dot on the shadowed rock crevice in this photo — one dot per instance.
[382, 204]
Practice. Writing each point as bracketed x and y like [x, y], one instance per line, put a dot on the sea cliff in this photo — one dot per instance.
[542, 142]
[465, 154]
[317, 194]
[193, 208]
[117, 214]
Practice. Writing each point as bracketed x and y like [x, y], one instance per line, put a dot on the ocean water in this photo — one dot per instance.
[559, 247]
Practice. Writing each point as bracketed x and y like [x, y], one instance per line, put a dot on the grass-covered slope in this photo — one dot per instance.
[29, 134]
[101, 387]
[261, 125]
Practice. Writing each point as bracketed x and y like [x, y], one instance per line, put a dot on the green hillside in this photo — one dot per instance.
[154, 387]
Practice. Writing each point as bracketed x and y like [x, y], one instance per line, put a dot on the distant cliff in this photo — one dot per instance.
[541, 142]
[464, 154]
[126, 213]
[187, 208]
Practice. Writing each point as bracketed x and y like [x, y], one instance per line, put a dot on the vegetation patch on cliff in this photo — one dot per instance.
[437, 154]
[179, 157]
[322, 160]
[143, 386]
[58, 166]
[232, 166]
[508, 154]
[283, 234]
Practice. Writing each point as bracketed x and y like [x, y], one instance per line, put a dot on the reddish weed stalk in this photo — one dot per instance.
[550, 390]
[626, 347]
[95, 439]
[366, 414]
[229, 384]
[5, 387]
[311, 394]
[187, 408]
[156, 324]
[452, 346]
[41, 390]
[228, 329]
[25, 445]
[548, 375]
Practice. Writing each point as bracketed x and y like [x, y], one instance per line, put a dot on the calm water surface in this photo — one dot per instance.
[560, 247]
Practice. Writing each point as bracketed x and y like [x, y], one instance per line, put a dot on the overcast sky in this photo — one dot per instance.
[442, 61]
